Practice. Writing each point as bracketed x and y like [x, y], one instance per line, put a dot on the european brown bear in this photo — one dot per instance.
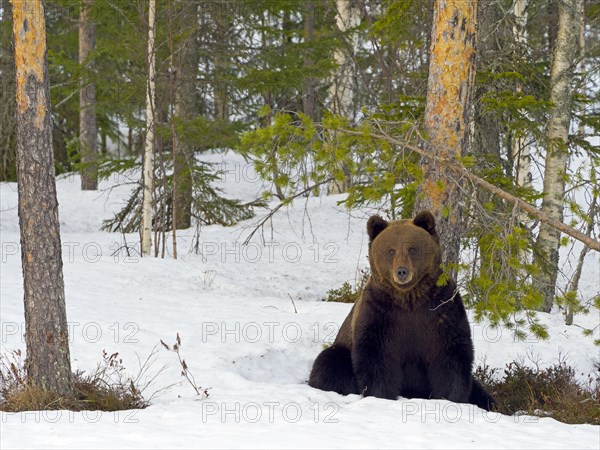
[406, 336]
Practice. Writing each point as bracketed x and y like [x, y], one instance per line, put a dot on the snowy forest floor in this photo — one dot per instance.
[245, 339]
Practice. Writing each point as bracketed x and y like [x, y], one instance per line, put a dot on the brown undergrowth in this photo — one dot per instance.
[107, 388]
[553, 392]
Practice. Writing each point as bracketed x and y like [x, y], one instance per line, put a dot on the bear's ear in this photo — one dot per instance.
[424, 219]
[375, 225]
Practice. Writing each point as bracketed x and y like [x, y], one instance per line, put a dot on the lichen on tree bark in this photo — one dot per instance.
[450, 86]
[46, 334]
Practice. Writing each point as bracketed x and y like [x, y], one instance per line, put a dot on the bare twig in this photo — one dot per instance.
[295, 310]
[281, 205]
[185, 371]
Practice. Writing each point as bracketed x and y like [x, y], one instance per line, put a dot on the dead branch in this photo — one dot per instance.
[462, 170]
[284, 202]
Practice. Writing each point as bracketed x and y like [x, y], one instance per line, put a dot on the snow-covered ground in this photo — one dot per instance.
[251, 323]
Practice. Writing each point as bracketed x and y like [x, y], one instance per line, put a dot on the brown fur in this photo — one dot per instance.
[405, 336]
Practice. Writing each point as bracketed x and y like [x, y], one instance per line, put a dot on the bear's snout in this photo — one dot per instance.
[403, 275]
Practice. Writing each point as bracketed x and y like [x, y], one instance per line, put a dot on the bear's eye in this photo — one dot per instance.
[412, 251]
[391, 252]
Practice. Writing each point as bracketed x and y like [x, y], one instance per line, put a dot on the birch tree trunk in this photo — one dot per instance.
[552, 22]
[343, 83]
[87, 99]
[48, 363]
[561, 78]
[341, 91]
[148, 171]
[449, 93]
[521, 152]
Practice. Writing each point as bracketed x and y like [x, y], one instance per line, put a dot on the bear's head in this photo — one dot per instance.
[404, 253]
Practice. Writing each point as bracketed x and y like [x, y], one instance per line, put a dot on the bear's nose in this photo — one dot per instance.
[402, 273]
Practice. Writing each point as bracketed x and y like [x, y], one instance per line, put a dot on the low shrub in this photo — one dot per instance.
[551, 392]
[107, 388]
[347, 293]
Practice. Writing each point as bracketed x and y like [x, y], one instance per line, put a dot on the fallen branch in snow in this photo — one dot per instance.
[519, 203]
[295, 310]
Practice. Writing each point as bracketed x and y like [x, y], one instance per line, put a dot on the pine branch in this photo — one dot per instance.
[462, 170]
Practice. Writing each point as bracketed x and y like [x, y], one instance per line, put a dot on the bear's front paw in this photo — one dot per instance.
[378, 390]
[456, 389]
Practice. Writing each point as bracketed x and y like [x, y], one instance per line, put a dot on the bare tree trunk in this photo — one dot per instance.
[561, 78]
[521, 153]
[129, 140]
[8, 153]
[223, 26]
[486, 127]
[341, 91]
[148, 176]
[309, 94]
[103, 142]
[343, 83]
[268, 95]
[574, 284]
[7, 97]
[46, 335]
[552, 23]
[174, 137]
[87, 99]
[589, 228]
[185, 107]
[449, 93]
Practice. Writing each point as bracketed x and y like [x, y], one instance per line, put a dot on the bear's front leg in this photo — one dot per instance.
[370, 365]
[450, 375]
[450, 371]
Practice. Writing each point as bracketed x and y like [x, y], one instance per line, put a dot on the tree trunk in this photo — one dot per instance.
[87, 99]
[343, 84]
[103, 142]
[7, 98]
[309, 94]
[574, 284]
[129, 140]
[148, 175]
[46, 335]
[486, 127]
[486, 139]
[521, 153]
[552, 22]
[561, 78]
[223, 25]
[449, 92]
[185, 107]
